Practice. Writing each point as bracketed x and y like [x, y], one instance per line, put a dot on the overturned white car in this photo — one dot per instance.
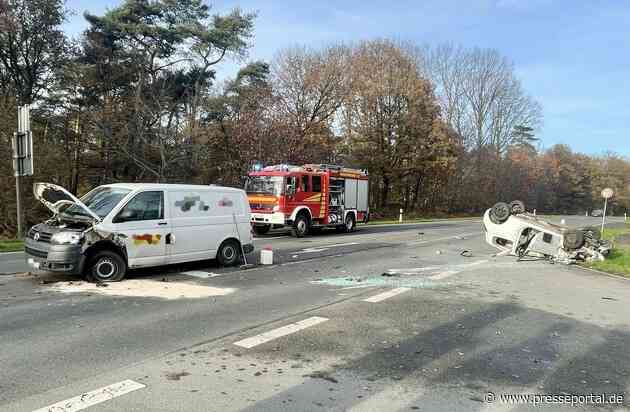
[509, 228]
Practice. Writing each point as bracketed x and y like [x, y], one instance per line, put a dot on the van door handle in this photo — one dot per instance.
[163, 223]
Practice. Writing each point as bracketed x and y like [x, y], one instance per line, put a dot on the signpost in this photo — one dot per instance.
[606, 194]
[22, 144]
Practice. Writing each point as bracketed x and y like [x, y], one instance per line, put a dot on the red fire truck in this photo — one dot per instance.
[307, 197]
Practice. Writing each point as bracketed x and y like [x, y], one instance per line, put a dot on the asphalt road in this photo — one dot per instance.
[386, 318]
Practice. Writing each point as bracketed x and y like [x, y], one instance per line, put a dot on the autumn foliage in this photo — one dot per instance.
[441, 130]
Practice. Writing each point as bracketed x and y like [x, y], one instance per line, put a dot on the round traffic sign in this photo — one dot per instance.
[607, 193]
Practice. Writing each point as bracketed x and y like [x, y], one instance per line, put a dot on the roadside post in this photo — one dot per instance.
[22, 145]
[606, 194]
[400, 216]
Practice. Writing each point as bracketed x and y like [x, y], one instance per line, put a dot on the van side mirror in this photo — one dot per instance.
[290, 189]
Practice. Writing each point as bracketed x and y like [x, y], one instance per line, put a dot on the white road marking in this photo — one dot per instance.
[269, 238]
[94, 397]
[444, 275]
[11, 253]
[446, 270]
[279, 332]
[324, 247]
[456, 237]
[386, 295]
[201, 274]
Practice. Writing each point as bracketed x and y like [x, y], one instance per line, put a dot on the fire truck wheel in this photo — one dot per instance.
[261, 229]
[300, 226]
[350, 223]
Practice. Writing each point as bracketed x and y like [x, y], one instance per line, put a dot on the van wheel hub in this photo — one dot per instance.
[229, 252]
[106, 268]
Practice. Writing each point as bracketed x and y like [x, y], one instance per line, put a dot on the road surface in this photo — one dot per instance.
[386, 318]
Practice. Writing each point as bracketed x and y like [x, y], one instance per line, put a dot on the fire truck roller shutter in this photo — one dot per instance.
[362, 195]
[351, 194]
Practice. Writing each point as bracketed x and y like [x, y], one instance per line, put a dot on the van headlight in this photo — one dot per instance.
[66, 238]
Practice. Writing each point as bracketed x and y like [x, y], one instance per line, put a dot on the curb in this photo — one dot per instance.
[612, 275]
[11, 253]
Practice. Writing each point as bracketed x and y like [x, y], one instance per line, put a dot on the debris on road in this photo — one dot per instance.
[140, 288]
[321, 375]
[466, 253]
[513, 231]
[175, 376]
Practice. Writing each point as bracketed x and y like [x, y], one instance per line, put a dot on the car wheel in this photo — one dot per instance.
[229, 253]
[261, 229]
[573, 239]
[500, 212]
[300, 226]
[106, 266]
[350, 223]
[517, 206]
[592, 233]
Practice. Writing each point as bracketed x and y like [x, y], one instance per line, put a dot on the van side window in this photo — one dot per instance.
[317, 183]
[144, 206]
[305, 183]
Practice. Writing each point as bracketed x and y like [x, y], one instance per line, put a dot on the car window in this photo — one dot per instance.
[144, 206]
[317, 183]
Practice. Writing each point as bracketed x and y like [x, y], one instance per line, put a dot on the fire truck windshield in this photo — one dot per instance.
[270, 185]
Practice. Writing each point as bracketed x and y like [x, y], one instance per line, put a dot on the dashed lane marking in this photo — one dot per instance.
[324, 247]
[386, 295]
[85, 400]
[279, 332]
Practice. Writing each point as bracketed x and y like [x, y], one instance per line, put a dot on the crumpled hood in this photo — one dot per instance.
[55, 197]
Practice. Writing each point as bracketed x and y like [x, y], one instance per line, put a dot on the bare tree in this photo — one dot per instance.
[311, 85]
[481, 97]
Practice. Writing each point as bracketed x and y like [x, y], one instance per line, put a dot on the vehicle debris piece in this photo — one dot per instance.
[514, 231]
[466, 253]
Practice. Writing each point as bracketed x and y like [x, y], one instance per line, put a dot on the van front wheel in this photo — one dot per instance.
[106, 266]
[229, 253]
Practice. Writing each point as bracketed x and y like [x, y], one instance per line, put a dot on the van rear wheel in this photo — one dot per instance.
[106, 266]
[229, 253]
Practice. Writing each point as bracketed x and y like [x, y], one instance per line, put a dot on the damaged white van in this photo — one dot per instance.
[123, 226]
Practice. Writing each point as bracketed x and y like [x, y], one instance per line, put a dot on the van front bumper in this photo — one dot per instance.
[53, 258]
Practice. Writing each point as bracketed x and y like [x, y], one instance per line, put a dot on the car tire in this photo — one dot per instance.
[517, 207]
[301, 226]
[229, 253]
[573, 239]
[261, 229]
[106, 266]
[350, 223]
[500, 212]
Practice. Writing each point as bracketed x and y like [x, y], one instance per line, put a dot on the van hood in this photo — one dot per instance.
[55, 197]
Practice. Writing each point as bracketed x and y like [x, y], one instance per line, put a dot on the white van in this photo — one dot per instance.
[132, 225]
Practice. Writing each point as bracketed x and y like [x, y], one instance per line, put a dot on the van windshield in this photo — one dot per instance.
[101, 201]
[269, 185]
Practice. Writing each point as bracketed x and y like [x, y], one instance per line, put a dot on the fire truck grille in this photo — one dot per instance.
[260, 206]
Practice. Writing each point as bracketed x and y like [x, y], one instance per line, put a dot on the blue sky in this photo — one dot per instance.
[572, 56]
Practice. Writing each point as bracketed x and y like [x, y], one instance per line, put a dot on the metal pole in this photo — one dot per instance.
[18, 198]
[604, 215]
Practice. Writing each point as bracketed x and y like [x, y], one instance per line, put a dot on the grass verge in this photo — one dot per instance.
[11, 245]
[618, 262]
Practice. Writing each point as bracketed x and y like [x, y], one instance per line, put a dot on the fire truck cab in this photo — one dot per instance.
[307, 197]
